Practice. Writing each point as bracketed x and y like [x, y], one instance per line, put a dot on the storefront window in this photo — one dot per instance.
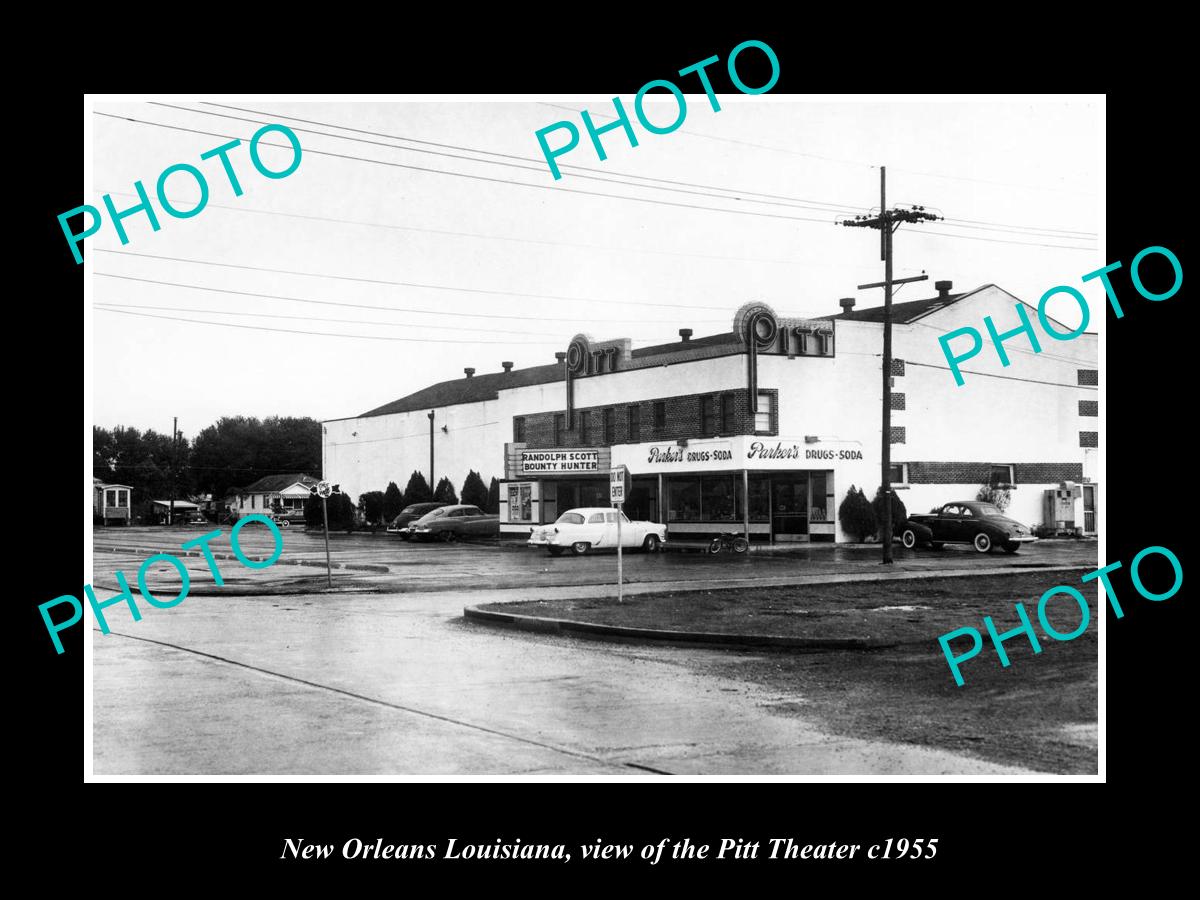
[683, 500]
[520, 502]
[760, 498]
[721, 498]
[817, 511]
[594, 493]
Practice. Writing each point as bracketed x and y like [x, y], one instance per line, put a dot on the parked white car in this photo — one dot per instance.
[595, 528]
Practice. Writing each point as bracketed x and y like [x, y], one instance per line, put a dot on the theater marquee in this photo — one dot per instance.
[555, 462]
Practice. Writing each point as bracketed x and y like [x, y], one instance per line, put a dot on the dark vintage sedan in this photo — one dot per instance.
[966, 522]
[455, 523]
[409, 515]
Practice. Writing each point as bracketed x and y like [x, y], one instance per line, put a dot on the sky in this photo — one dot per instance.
[421, 273]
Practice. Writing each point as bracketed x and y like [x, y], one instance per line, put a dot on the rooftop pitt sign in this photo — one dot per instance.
[554, 462]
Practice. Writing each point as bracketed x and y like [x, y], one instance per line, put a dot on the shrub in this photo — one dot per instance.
[856, 515]
[417, 491]
[341, 512]
[393, 502]
[1001, 497]
[445, 492]
[899, 513]
[371, 505]
[474, 491]
[493, 501]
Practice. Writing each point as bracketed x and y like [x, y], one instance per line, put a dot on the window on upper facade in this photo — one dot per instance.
[708, 414]
[762, 418]
[519, 430]
[635, 423]
[559, 423]
[728, 425]
[1001, 475]
[660, 416]
[583, 426]
[609, 425]
[899, 473]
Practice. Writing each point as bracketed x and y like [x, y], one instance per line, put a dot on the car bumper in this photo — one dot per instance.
[1020, 539]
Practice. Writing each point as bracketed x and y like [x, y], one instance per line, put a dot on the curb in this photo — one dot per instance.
[352, 567]
[592, 629]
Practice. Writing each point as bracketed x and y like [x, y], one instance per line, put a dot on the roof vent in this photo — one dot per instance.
[847, 304]
[685, 334]
[943, 288]
[507, 366]
[469, 371]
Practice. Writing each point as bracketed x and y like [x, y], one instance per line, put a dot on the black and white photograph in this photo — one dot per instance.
[704, 431]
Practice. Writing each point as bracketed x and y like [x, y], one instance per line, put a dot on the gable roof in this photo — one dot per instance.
[274, 483]
[488, 386]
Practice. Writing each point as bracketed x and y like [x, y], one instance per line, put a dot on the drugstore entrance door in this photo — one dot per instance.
[789, 507]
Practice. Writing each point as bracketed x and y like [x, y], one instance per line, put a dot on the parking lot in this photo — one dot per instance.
[384, 562]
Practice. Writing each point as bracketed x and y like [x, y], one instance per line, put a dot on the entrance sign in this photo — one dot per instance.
[618, 491]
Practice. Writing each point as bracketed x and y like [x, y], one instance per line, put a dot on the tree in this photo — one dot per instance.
[417, 490]
[149, 462]
[393, 502]
[856, 515]
[236, 450]
[899, 513]
[493, 501]
[997, 495]
[474, 491]
[445, 492]
[371, 505]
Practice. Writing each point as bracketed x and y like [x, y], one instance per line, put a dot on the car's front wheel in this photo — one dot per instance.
[982, 542]
[283, 523]
[1012, 547]
[449, 536]
[908, 539]
[580, 547]
[650, 545]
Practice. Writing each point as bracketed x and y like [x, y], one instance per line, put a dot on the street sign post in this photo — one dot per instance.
[618, 491]
[325, 490]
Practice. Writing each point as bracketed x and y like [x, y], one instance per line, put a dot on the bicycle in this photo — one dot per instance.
[729, 541]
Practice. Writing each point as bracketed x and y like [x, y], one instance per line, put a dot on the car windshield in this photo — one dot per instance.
[570, 518]
[988, 509]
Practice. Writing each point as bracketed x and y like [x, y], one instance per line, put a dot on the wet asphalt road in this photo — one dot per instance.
[398, 683]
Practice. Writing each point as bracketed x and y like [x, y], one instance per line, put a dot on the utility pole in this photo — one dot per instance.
[174, 465]
[431, 487]
[887, 222]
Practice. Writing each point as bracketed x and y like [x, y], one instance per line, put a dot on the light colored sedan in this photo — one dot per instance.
[595, 528]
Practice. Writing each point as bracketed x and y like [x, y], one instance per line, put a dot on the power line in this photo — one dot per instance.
[671, 203]
[254, 315]
[848, 162]
[803, 202]
[541, 187]
[419, 311]
[492, 237]
[538, 167]
[420, 285]
[363, 337]
[1075, 387]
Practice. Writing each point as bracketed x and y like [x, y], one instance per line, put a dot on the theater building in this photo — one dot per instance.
[761, 429]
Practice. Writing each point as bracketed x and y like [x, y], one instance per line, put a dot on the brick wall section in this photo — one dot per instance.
[1089, 439]
[978, 473]
[1088, 376]
[897, 400]
[683, 420]
[897, 367]
[1089, 408]
[897, 434]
